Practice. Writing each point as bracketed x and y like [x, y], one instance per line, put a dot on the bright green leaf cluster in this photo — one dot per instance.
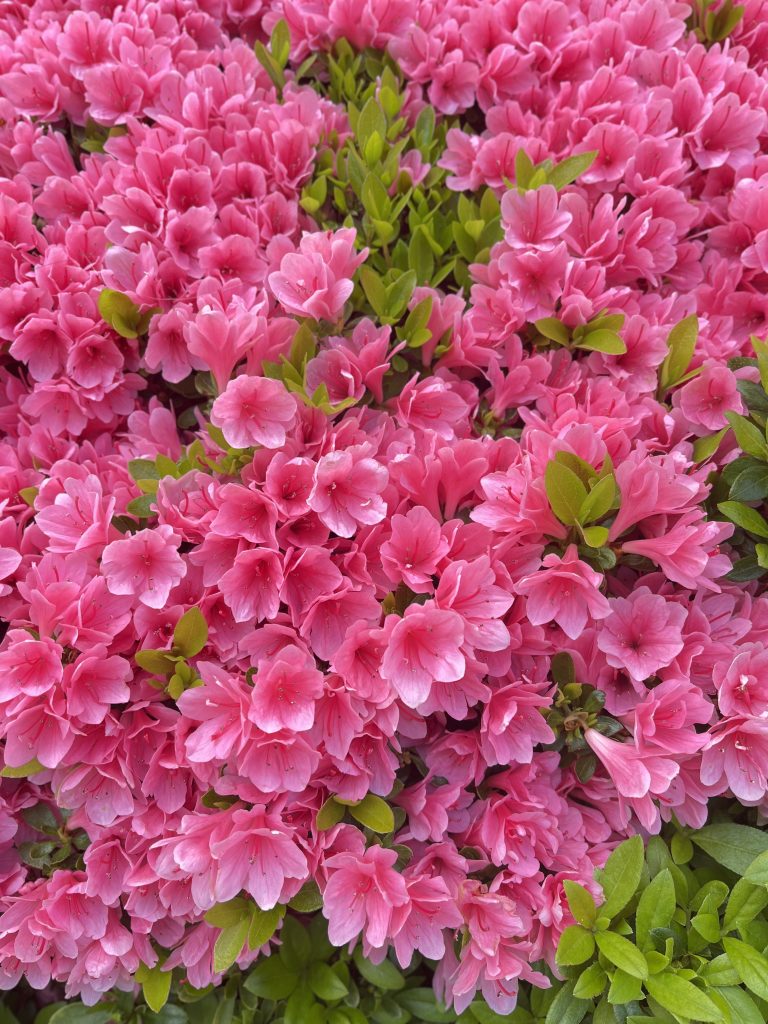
[674, 939]
[175, 674]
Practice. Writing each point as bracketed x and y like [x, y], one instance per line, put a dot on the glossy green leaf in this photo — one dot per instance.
[325, 983]
[565, 492]
[580, 901]
[747, 518]
[423, 1006]
[655, 907]
[384, 975]
[750, 965]
[571, 168]
[22, 771]
[374, 813]
[622, 953]
[750, 438]
[229, 944]
[270, 979]
[682, 998]
[330, 814]
[262, 926]
[156, 986]
[576, 946]
[590, 982]
[191, 633]
[681, 343]
[621, 876]
[566, 1008]
[745, 903]
[603, 341]
[734, 846]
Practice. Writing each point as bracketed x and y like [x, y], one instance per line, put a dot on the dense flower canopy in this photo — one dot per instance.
[320, 481]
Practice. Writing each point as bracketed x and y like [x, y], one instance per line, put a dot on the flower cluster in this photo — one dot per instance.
[356, 548]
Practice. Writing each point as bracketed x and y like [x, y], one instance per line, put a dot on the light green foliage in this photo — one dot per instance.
[740, 490]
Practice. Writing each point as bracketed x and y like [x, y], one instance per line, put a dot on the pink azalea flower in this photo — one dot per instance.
[347, 490]
[711, 394]
[362, 896]
[423, 647]
[254, 411]
[284, 693]
[251, 588]
[564, 590]
[742, 682]
[146, 564]
[532, 220]
[316, 281]
[642, 633]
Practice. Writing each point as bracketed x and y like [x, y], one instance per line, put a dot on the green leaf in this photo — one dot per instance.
[580, 902]
[143, 469]
[269, 64]
[399, 294]
[576, 946]
[229, 945]
[280, 42]
[757, 872]
[159, 663]
[120, 313]
[325, 983]
[682, 998]
[621, 876]
[76, 1013]
[750, 965]
[590, 982]
[270, 979]
[624, 988]
[141, 507]
[553, 330]
[384, 975]
[156, 986]
[595, 536]
[599, 501]
[742, 1006]
[481, 1012]
[622, 953]
[523, 169]
[296, 947]
[744, 904]
[307, 899]
[170, 1014]
[565, 492]
[330, 814]
[656, 906]
[223, 915]
[570, 169]
[751, 484]
[375, 198]
[603, 341]
[374, 813]
[262, 925]
[22, 771]
[705, 447]
[733, 846]
[191, 633]
[375, 290]
[681, 343]
[370, 119]
[749, 438]
[566, 1008]
[421, 1003]
[747, 518]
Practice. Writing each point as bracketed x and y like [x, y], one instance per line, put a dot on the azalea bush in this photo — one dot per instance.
[383, 537]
